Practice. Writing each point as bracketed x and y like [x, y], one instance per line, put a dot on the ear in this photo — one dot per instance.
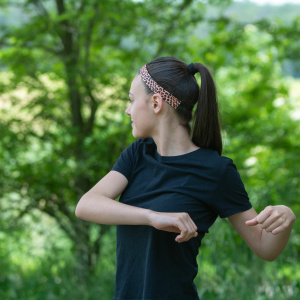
[157, 102]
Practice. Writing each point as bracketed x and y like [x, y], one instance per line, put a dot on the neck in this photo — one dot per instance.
[173, 140]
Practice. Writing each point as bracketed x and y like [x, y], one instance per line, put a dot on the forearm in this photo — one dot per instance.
[267, 233]
[103, 210]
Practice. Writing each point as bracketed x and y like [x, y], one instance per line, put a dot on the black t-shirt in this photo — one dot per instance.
[150, 264]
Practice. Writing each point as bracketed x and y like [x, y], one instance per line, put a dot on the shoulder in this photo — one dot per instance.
[221, 166]
[229, 168]
[226, 161]
[230, 174]
[216, 160]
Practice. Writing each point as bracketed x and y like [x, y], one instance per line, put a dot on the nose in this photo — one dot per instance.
[127, 111]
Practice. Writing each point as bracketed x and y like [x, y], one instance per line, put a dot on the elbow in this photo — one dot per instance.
[79, 210]
[266, 253]
[271, 258]
[268, 257]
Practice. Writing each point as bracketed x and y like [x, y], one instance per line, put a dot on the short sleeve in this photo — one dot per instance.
[125, 162]
[230, 196]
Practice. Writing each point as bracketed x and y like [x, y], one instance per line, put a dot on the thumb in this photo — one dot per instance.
[251, 222]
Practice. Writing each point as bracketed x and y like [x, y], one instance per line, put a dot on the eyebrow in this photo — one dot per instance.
[130, 93]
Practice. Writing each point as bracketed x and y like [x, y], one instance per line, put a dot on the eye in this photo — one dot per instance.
[130, 100]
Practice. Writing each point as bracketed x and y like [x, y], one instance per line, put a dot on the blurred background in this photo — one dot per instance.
[65, 71]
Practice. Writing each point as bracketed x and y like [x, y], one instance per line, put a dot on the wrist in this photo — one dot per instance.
[150, 215]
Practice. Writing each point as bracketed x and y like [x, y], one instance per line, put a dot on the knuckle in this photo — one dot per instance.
[285, 225]
[182, 216]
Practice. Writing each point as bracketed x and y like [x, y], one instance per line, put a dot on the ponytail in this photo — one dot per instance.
[206, 127]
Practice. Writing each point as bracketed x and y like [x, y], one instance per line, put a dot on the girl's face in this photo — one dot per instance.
[140, 110]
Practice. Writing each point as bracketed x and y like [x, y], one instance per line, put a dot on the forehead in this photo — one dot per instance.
[137, 85]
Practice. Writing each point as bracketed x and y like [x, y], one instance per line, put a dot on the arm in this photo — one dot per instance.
[98, 205]
[267, 233]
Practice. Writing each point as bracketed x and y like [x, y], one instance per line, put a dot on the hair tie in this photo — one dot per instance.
[192, 69]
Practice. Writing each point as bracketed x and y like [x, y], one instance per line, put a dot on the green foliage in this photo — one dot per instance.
[67, 68]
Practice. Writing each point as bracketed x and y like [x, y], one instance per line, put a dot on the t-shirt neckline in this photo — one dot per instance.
[175, 157]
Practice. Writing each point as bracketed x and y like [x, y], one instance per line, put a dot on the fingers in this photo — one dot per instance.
[187, 227]
[260, 218]
[277, 224]
[280, 228]
[252, 222]
[264, 215]
[273, 219]
[175, 222]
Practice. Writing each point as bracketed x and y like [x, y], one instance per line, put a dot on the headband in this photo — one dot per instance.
[156, 88]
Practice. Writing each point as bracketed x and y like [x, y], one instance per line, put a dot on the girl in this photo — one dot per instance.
[174, 184]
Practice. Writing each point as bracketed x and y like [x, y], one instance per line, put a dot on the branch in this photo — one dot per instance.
[97, 244]
[51, 212]
[4, 44]
[28, 45]
[93, 104]
[88, 35]
[85, 75]
[26, 210]
[41, 8]
[171, 26]
[67, 37]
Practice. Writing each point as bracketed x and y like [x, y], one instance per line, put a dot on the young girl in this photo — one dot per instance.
[174, 184]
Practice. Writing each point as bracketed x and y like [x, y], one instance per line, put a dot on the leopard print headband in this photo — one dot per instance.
[156, 88]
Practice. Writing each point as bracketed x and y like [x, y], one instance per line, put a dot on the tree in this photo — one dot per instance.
[73, 60]
[66, 70]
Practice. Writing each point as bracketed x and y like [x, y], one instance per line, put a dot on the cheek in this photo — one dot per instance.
[141, 114]
[136, 111]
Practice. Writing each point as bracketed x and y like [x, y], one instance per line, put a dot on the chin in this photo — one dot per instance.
[139, 135]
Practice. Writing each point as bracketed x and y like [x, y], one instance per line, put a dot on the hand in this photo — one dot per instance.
[274, 219]
[175, 222]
